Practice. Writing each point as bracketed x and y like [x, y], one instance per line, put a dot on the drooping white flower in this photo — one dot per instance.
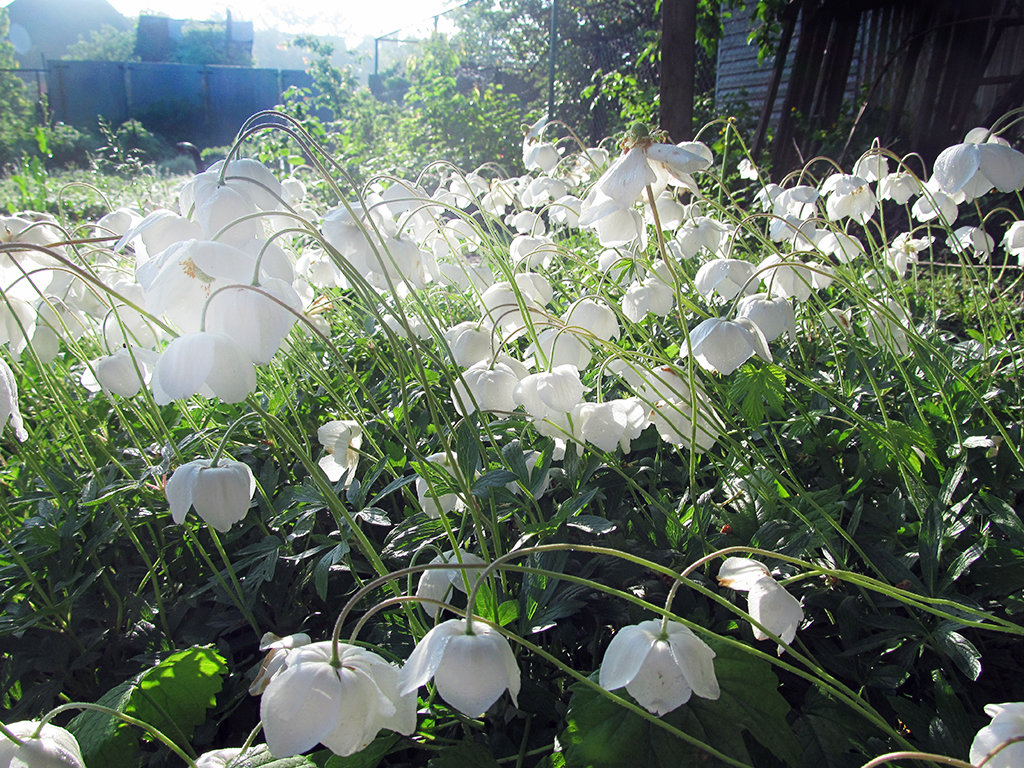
[220, 495]
[560, 346]
[661, 669]
[898, 187]
[672, 407]
[125, 372]
[973, 239]
[774, 316]
[650, 296]
[934, 203]
[54, 747]
[747, 169]
[342, 707]
[208, 364]
[871, 166]
[342, 439]
[848, 197]
[1007, 724]
[611, 424]
[722, 346]
[9, 411]
[844, 247]
[768, 602]
[725, 277]
[538, 154]
[258, 318]
[596, 317]
[1013, 240]
[485, 387]
[438, 583]
[470, 670]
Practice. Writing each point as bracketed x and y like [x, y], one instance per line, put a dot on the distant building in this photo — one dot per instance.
[43, 29]
[162, 39]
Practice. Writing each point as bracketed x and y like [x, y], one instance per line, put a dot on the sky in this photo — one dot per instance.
[352, 19]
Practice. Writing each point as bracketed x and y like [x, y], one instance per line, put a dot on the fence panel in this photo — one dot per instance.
[82, 91]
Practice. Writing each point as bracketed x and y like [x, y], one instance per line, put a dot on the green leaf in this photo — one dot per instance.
[601, 733]
[173, 696]
[831, 736]
[465, 754]
[102, 740]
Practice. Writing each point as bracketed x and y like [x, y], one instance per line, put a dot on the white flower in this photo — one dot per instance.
[432, 503]
[848, 197]
[208, 364]
[726, 277]
[774, 316]
[485, 387]
[660, 669]
[652, 296]
[768, 602]
[722, 346]
[934, 203]
[557, 391]
[438, 583]
[596, 317]
[342, 439]
[122, 373]
[871, 166]
[1013, 240]
[55, 747]
[841, 245]
[560, 346]
[611, 424]
[1007, 724]
[976, 239]
[9, 410]
[903, 251]
[672, 405]
[470, 670]
[277, 651]
[898, 187]
[220, 494]
[747, 169]
[257, 317]
[342, 707]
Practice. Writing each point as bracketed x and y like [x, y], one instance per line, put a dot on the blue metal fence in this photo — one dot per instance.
[202, 104]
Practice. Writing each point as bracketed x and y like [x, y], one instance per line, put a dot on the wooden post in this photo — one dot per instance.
[678, 67]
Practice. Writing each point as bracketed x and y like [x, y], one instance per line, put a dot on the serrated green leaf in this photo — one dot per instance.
[174, 695]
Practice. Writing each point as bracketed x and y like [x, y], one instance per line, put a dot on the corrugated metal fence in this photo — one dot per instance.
[202, 104]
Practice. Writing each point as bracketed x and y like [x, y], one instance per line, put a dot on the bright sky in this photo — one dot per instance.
[353, 19]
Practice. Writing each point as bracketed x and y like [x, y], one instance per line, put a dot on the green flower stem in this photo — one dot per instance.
[8, 734]
[563, 667]
[236, 594]
[817, 676]
[923, 756]
[316, 474]
[148, 728]
[227, 433]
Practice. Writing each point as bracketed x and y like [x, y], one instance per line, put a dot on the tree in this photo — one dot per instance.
[15, 109]
[104, 44]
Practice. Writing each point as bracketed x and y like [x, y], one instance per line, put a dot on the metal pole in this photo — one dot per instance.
[551, 59]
